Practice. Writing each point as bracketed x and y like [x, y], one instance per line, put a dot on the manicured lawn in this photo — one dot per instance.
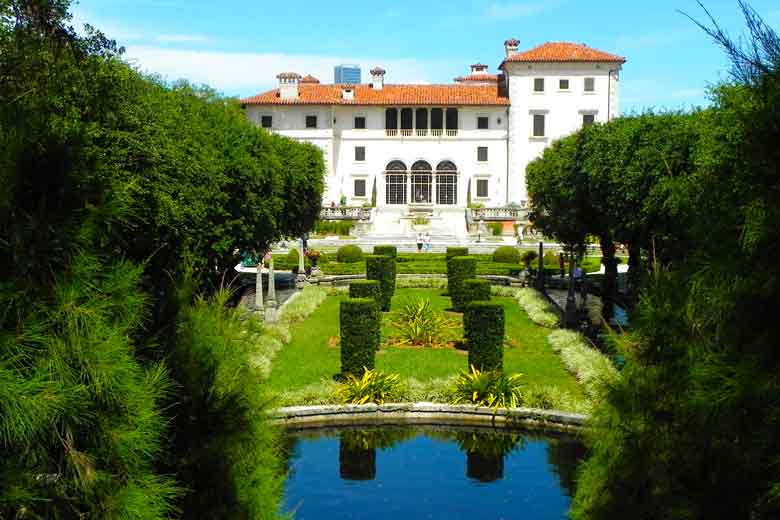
[313, 353]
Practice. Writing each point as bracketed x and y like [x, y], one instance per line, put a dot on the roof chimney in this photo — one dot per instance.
[377, 78]
[510, 46]
[479, 68]
[288, 85]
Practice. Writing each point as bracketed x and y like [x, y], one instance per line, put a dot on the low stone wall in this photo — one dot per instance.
[427, 413]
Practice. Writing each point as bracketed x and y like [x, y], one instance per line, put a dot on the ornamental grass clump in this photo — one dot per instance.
[372, 387]
[383, 269]
[359, 320]
[539, 310]
[419, 324]
[459, 269]
[592, 369]
[483, 331]
[488, 388]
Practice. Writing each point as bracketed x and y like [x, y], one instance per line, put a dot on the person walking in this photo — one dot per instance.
[427, 242]
[419, 242]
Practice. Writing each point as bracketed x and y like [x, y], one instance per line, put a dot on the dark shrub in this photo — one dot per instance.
[349, 254]
[475, 290]
[386, 251]
[365, 289]
[382, 268]
[459, 269]
[457, 251]
[359, 321]
[496, 229]
[506, 255]
[483, 330]
[333, 227]
[528, 257]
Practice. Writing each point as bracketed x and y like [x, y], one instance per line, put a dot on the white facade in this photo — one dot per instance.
[490, 162]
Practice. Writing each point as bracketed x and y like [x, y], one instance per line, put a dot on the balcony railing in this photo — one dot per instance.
[420, 132]
[489, 214]
[391, 132]
[345, 213]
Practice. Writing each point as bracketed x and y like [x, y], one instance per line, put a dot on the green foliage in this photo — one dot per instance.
[386, 250]
[488, 388]
[475, 290]
[292, 257]
[383, 269]
[538, 308]
[456, 251]
[506, 255]
[496, 228]
[372, 387]
[359, 326]
[483, 331]
[591, 367]
[334, 227]
[349, 254]
[366, 289]
[419, 324]
[528, 258]
[459, 269]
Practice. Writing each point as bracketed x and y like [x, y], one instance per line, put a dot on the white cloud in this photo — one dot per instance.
[250, 73]
[182, 38]
[516, 10]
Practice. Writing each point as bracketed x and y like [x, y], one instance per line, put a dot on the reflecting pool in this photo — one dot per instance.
[429, 472]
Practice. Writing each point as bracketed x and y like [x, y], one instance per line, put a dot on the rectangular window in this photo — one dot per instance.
[590, 84]
[360, 153]
[266, 121]
[482, 153]
[563, 84]
[360, 188]
[482, 188]
[360, 122]
[538, 84]
[538, 125]
[482, 122]
[588, 119]
[311, 121]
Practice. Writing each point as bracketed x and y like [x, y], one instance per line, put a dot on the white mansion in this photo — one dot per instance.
[435, 148]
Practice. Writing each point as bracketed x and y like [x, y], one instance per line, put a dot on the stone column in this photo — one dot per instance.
[270, 308]
[259, 286]
[301, 266]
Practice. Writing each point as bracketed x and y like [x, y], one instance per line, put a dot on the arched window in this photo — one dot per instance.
[446, 183]
[395, 183]
[422, 182]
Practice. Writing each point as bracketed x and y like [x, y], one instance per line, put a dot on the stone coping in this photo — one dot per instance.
[301, 417]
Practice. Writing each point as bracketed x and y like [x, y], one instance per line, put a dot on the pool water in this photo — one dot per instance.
[429, 472]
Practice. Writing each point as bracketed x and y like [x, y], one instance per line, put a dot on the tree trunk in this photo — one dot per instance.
[609, 285]
[634, 273]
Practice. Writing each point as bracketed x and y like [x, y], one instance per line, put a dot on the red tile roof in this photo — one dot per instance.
[449, 95]
[481, 77]
[564, 52]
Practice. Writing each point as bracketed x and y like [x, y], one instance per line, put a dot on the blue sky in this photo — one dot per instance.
[238, 47]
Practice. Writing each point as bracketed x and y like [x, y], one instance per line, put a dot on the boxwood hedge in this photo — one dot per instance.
[506, 255]
[457, 251]
[382, 269]
[386, 251]
[365, 289]
[349, 254]
[359, 321]
[483, 330]
[475, 289]
[459, 269]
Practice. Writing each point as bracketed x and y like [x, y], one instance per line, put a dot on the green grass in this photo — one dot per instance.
[312, 356]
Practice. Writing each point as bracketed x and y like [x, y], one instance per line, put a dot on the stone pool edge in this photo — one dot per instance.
[426, 413]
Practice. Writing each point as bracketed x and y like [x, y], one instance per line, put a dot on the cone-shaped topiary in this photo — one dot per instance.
[483, 330]
[386, 251]
[475, 289]
[382, 268]
[359, 322]
[365, 289]
[459, 269]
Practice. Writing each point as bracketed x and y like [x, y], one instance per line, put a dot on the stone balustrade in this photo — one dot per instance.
[345, 213]
[488, 214]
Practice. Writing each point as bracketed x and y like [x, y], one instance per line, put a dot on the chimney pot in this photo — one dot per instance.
[510, 46]
[377, 78]
[288, 85]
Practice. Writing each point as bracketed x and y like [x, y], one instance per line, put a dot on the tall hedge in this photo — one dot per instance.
[386, 251]
[365, 289]
[359, 322]
[382, 268]
[457, 251]
[483, 330]
[459, 269]
[475, 289]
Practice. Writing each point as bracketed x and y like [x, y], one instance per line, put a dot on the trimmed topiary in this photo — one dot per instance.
[459, 269]
[483, 330]
[457, 251]
[292, 255]
[475, 289]
[359, 322]
[382, 269]
[386, 251]
[349, 254]
[506, 255]
[365, 289]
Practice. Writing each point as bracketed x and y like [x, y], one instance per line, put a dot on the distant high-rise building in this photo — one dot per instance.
[346, 74]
